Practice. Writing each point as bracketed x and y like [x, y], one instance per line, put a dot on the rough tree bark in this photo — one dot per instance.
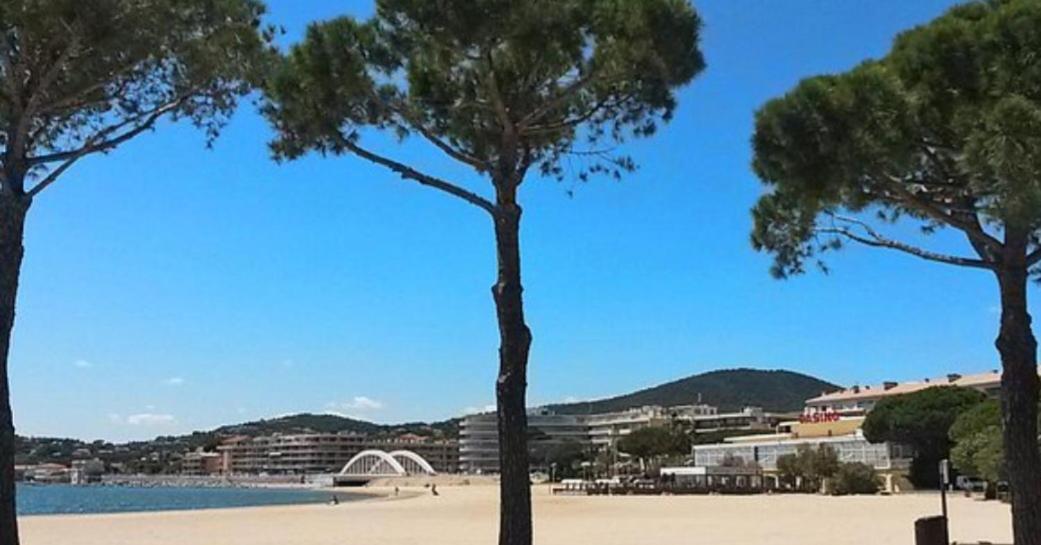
[1019, 385]
[13, 209]
[514, 341]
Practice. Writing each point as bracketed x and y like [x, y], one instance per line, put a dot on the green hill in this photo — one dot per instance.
[330, 423]
[301, 423]
[730, 390]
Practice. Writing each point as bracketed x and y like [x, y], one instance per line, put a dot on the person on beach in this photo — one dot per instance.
[433, 490]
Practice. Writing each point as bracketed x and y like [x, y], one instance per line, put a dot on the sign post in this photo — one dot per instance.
[945, 481]
[934, 530]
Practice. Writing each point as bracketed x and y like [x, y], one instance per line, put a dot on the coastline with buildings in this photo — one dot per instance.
[466, 513]
[753, 435]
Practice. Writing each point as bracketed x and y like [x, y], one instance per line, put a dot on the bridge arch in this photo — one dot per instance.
[404, 455]
[375, 462]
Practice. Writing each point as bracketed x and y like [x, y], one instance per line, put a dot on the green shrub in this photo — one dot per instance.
[856, 478]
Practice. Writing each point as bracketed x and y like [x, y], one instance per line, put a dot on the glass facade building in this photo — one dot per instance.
[850, 448]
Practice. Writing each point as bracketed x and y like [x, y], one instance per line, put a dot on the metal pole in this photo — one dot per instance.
[945, 477]
[943, 500]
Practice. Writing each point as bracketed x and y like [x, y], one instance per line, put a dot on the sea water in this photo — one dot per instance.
[65, 499]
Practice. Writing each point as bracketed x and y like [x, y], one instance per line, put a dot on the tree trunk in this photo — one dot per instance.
[514, 341]
[12, 225]
[1019, 386]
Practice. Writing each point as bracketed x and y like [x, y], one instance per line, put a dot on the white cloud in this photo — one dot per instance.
[174, 381]
[354, 408]
[150, 419]
[358, 403]
[362, 403]
[82, 364]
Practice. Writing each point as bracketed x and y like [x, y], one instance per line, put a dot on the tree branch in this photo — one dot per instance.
[20, 139]
[497, 101]
[973, 230]
[410, 173]
[448, 149]
[875, 239]
[556, 101]
[1034, 257]
[53, 176]
[575, 121]
[52, 73]
[73, 100]
[6, 52]
[100, 141]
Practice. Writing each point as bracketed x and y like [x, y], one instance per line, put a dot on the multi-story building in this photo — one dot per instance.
[201, 463]
[605, 429]
[323, 452]
[843, 435]
[479, 437]
[858, 400]
[479, 442]
[749, 419]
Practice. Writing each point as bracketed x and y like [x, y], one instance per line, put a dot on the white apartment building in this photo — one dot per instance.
[479, 440]
[858, 400]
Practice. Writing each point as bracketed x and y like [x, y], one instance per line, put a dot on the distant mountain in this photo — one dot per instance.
[730, 390]
[301, 423]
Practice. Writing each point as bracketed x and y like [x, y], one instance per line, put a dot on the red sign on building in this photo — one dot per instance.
[819, 417]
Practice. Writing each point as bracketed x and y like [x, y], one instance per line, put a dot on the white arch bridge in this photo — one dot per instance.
[375, 464]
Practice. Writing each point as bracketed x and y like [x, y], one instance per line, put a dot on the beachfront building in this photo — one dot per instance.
[317, 453]
[605, 429]
[202, 463]
[747, 420]
[479, 440]
[834, 419]
[844, 436]
[86, 471]
[479, 437]
[858, 400]
[48, 473]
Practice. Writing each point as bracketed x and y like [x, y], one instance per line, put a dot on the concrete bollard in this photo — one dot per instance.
[931, 531]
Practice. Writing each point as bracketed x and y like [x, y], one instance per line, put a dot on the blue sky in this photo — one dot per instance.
[169, 288]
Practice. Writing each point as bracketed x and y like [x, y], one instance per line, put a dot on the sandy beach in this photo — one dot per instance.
[468, 515]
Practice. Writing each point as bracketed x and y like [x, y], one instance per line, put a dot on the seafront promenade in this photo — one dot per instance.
[468, 515]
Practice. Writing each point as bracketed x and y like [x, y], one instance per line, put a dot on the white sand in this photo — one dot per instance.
[469, 515]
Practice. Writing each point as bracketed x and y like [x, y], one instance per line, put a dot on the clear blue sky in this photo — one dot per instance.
[168, 288]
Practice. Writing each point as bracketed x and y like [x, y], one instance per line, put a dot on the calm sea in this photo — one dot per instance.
[64, 499]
